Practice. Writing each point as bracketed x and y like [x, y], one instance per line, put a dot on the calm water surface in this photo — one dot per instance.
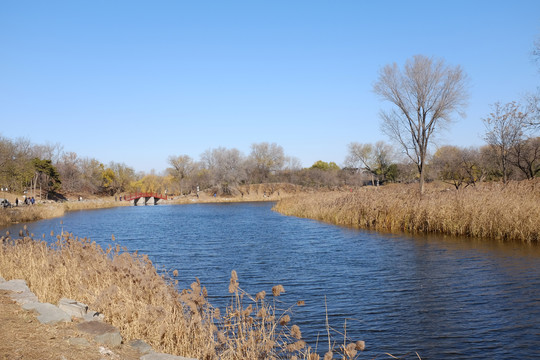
[443, 298]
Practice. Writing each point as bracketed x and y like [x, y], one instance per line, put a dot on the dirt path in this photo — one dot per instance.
[22, 336]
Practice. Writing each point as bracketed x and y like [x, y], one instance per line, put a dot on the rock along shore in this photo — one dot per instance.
[89, 323]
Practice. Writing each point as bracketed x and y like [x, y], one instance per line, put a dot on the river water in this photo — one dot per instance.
[445, 298]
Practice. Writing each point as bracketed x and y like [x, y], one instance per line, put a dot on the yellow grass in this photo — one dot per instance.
[30, 213]
[145, 304]
[39, 211]
[243, 193]
[492, 210]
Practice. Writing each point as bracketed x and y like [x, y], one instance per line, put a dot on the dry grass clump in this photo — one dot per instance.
[27, 213]
[101, 203]
[30, 213]
[257, 328]
[508, 212]
[252, 328]
[125, 287]
[145, 304]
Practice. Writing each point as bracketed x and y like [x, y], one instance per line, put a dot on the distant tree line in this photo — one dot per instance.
[48, 170]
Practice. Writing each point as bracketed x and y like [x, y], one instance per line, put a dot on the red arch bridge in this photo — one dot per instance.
[141, 199]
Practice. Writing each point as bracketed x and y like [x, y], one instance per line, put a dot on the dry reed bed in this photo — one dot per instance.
[145, 304]
[508, 212]
[30, 213]
[244, 193]
[36, 212]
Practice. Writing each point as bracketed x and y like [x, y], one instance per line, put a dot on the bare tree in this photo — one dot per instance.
[292, 163]
[426, 94]
[226, 166]
[525, 155]
[533, 99]
[290, 170]
[49, 151]
[266, 158]
[201, 176]
[375, 159]
[458, 166]
[91, 171]
[489, 163]
[123, 176]
[16, 166]
[505, 128]
[6, 152]
[533, 111]
[536, 52]
[70, 172]
[10, 162]
[182, 167]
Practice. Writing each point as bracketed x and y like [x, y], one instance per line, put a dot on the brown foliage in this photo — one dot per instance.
[508, 212]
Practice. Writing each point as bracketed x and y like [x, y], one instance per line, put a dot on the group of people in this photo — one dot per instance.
[27, 201]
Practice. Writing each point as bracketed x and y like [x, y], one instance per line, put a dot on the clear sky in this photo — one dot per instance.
[137, 81]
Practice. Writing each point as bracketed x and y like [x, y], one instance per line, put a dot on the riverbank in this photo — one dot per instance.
[146, 304]
[24, 337]
[495, 211]
[245, 193]
[50, 209]
[490, 210]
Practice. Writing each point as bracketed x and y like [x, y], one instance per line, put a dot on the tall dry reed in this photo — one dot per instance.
[30, 213]
[508, 212]
[125, 287]
[146, 304]
[27, 213]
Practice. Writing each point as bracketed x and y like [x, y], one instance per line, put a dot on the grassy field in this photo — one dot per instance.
[508, 212]
[145, 304]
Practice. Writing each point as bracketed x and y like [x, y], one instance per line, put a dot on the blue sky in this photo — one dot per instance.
[137, 81]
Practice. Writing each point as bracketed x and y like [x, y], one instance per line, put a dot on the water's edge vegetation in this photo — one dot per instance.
[29, 213]
[507, 212]
[491, 210]
[146, 304]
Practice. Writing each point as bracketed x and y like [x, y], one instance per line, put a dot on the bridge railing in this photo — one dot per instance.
[132, 196]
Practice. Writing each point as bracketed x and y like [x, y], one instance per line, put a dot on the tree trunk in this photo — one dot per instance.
[505, 170]
[36, 177]
[422, 171]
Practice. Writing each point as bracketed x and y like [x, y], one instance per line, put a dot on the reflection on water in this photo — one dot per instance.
[446, 298]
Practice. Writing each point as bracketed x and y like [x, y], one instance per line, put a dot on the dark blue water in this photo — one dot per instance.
[444, 298]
